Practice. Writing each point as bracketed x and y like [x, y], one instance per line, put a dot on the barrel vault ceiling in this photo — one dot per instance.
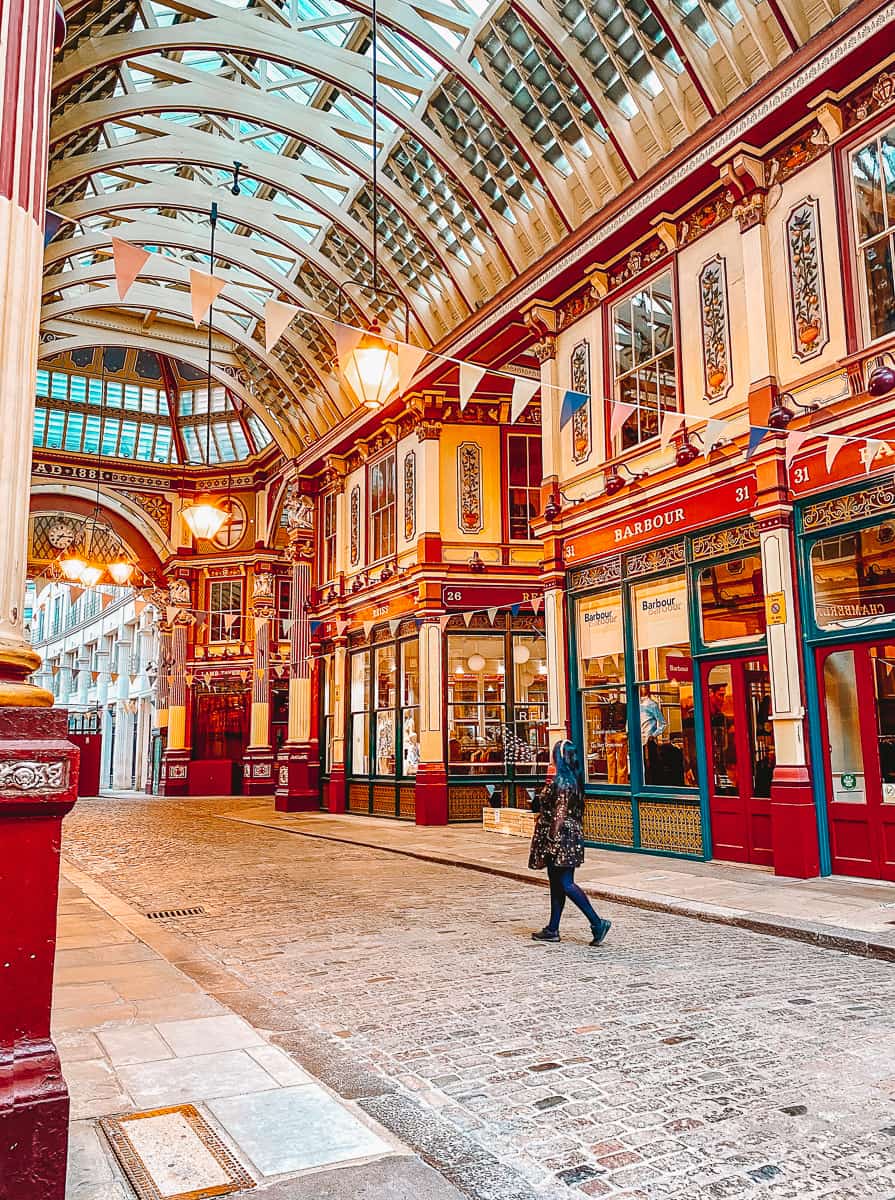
[503, 126]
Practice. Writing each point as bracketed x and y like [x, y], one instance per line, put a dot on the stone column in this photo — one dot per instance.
[428, 491]
[84, 680]
[122, 766]
[258, 761]
[431, 774]
[298, 770]
[38, 766]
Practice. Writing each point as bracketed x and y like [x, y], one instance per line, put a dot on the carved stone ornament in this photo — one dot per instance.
[409, 496]
[880, 96]
[646, 561]
[179, 592]
[750, 211]
[726, 541]
[844, 509]
[579, 378]
[428, 431]
[298, 510]
[262, 592]
[609, 571]
[545, 349]
[33, 776]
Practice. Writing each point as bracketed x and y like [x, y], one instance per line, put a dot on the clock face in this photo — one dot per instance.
[61, 535]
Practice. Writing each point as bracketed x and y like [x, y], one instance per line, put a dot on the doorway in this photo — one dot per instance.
[857, 690]
[740, 753]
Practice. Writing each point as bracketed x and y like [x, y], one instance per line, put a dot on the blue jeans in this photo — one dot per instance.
[563, 885]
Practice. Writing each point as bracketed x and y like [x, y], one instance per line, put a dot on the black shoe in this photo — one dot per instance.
[545, 935]
[600, 931]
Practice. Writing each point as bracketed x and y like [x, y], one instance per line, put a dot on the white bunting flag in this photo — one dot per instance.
[393, 625]
[834, 445]
[346, 339]
[715, 432]
[872, 449]
[470, 378]
[467, 617]
[620, 413]
[536, 602]
[492, 613]
[795, 439]
[409, 359]
[523, 391]
[368, 625]
[278, 316]
[672, 422]
[443, 621]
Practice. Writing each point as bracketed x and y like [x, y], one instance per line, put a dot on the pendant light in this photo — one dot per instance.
[371, 368]
[205, 517]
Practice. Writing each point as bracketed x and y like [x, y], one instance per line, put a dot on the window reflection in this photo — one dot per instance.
[873, 191]
[853, 577]
[731, 601]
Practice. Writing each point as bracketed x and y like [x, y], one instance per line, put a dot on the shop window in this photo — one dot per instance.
[359, 715]
[853, 577]
[882, 660]
[220, 723]
[410, 699]
[644, 370]
[328, 537]
[523, 469]
[284, 606]
[382, 508]
[843, 725]
[225, 610]
[386, 679]
[493, 725]
[731, 601]
[873, 191]
[664, 681]
[601, 681]
[327, 704]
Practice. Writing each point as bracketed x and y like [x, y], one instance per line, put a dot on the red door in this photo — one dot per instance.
[857, 689]
[740, 752]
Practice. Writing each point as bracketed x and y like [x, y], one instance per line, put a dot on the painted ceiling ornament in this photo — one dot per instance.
[579, 375]
[715, 328]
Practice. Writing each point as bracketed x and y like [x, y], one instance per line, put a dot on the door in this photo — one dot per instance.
[740, 753]
[857, 689]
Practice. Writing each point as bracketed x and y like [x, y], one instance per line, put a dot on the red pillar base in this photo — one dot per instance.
[38, 785]
[794, 824]
[431, 794]
[258, 772]
[298, 778]
[334, 796]
[175, 773]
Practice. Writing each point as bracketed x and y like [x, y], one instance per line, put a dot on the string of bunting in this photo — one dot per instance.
[131, 260]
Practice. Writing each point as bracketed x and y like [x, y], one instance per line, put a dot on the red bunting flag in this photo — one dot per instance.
[204, 290]
[129, 262]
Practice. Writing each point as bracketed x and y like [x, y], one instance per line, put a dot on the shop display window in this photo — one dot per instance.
[873, 191]
[664, 681]
[853, 577]
[385, 711]
[496, 723]
[601, 678]
[386, 692]
[410, 699]
[328, 537]
[883, 661]
[360, 692]
[731, 601]
[220, 723]
[644, 367]
[843, 724]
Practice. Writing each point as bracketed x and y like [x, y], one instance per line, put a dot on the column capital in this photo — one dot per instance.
[750, 212]
[428, 430]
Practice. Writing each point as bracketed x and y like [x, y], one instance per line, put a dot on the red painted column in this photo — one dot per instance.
[38, 765]
[298, 766]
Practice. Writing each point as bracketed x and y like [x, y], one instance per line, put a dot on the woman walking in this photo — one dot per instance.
[558, 844]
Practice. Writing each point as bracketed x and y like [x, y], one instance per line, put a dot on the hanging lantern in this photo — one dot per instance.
[71, 567]
[205, 519]
[121, 571]
[371, 369]
[521, 654]
[476, 662]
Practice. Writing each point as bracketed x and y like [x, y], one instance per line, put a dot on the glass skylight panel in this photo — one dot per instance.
[145, 442]
[450, 211]
[260, 433]
[74, 431]
[55, 429]
[40, 426]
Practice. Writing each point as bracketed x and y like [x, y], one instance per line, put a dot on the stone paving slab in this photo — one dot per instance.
[683, 1060]
[843, 914]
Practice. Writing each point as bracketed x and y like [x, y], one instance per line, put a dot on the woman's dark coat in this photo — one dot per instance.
[558, 837]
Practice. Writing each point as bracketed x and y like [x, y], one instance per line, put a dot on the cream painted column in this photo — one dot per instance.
[262, 613]
[163, 670]
[788, 712]
[750, 214]
[176, 680]
[557, 665]
[428, 491]
[431, 774]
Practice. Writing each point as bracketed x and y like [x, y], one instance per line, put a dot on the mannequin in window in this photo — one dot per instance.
[615, 726]
[652, 724]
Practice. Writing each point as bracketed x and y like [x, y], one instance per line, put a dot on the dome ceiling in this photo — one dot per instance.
[502, 127]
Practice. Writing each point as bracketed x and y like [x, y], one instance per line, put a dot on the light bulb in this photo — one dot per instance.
[71, 567]
[205, 519]
[121, 571]
[91, 574]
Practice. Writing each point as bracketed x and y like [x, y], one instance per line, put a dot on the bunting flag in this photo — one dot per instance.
[571, 402]
[244, 675]
[834, 445]
[55, 668]
[757, 435]
[470, 378]
[871, 450]
[514, 609]
[490, 789]
[204, 290]
[620, 413]
[393, 625]
[229, 621]
[672, 423]
[259, 622]
[106, 599]
[288, 622]
[346, 339]
[189, 680]
[139, 606]
[259, 671]
[467, 617]
[52, 224]
[75, 594]
[341, 627]
[714, 433]
[94, 675]
[114, 676]
[536, 602]
[132, 679]
[171, 611]
[368, 625]
[794, 442]
[409, 359]
[492, 613]
[129, 262]
[443, 621]
[278, 316]
[169, 679]
[523, 391]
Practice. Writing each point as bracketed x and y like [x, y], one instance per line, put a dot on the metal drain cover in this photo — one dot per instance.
[198, 911]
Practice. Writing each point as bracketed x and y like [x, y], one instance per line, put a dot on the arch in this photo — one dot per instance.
[126, 519]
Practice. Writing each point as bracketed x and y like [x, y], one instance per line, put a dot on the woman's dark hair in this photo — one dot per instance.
[568, 769]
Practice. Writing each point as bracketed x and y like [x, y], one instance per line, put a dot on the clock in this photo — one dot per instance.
[61, 534]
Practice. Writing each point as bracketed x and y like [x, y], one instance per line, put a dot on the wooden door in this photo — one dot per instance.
[740, 755]
[857, 689]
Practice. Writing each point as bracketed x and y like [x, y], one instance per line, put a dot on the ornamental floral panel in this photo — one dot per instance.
[808, 306]
[355, 525]
[716, 362]
[469, 487]
[579, 377]
[409, 496]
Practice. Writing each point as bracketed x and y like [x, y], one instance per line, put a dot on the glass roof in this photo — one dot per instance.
[502, 124]
[119, 405]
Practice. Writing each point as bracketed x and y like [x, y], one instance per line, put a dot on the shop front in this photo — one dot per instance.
[847, 553]
[670, 685]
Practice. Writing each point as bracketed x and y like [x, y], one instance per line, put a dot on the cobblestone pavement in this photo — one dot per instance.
[680, 1060]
